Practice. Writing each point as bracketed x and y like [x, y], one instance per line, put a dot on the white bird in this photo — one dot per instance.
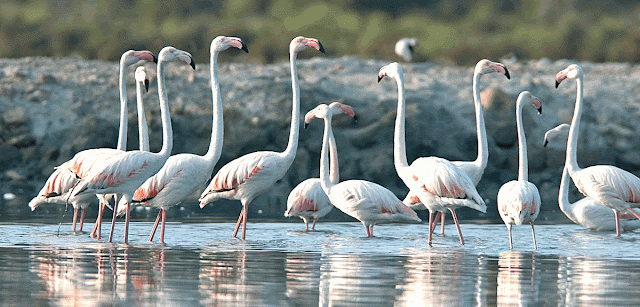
[124, 173]
[439, 184]
[183, 174]
[585, 212]
[405, 48]
[308, 200]
[368, 202]
[67, 175]
[248, 176]
[606, 184]
[519, 200]
[474, 169]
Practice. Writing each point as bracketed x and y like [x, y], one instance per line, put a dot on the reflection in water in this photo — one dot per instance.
[518, 279]
[303, 277]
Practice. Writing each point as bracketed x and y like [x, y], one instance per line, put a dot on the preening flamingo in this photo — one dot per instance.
[405, 48]
[124, 173]
[65, 176]
[368, 202]
[585, 212]
[183, 174]
[248, 176]
[606, 184]
[308, 199]
[439, 184]
[474, 169]
[519, 200]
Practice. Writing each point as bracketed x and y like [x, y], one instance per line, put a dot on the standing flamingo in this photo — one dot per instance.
[585, 212]
[66, 176]
[183, 174]
[439, 184]
[474, 169]
[368, 202]
[248, 176]
[606, 184]
[519, 200]
[124, 173]
[308, 199]
[405, 47]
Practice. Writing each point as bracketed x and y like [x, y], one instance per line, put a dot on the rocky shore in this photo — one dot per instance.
[55, 107]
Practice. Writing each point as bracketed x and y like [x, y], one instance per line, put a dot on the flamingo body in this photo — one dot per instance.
[307, 200]
[404, 48]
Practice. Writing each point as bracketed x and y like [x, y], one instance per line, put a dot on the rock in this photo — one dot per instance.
[500, 118]
[14, 175]
[15, 116]
[21, 141]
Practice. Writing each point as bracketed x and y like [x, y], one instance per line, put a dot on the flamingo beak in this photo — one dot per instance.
[506, 73]
[244, 47]
[192, 63]
[560, 77]
[306, 125]
[146, 85]
[155, 59]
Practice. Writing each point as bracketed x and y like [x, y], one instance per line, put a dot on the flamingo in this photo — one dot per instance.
[64, 177]
[308, 199]
[404, 48]
[124, 173]
[248, 176]
[585, 212]
[439, 184]
[474, 169]
[368, 202]
[519, 200]
[606, 184]
[183, 174]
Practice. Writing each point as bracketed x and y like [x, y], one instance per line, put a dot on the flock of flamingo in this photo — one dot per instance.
[141, 177]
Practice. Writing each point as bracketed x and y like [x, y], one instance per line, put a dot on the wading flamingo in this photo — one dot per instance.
[308, 199]
[585, 212]
[606, 184]
[66, 176]
[519, 200]
[183, 174]
[124, 173]
[405, 48]
[439, 184]
[474, 169]
[248, 176]
[368, 202]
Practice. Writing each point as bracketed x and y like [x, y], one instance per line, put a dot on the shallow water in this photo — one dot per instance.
[281, 265]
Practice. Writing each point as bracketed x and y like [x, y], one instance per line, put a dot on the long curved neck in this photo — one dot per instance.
[292, 146]
[523, 167]
[399, 146]
[563, 193]
[167, 132]
[483, 148]
[143, 132]
[571, 161]
[217, 129]
[334, 172]
[324, 156]
[124, 121]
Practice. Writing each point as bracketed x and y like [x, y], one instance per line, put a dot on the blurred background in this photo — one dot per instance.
[449, 31]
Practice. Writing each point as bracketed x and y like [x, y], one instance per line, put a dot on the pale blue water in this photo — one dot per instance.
[281, 265]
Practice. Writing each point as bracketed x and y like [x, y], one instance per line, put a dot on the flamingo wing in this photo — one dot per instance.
[362, 199]
[128, 167]
[307, 198]
[518, 202]
[248, 168]
[606, 183]
[82, 162]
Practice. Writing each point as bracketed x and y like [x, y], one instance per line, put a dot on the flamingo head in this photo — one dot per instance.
[172, 54]
[559, 133]
[132, 57]
[572, 71]
[405, 48]
[301, 43]
[393, 70]
[485, 66]
[526, 95]
[222, 43]
[141, 76]
[337, 108]
[321, 111]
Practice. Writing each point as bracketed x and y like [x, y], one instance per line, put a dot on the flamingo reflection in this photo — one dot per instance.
[518, 279]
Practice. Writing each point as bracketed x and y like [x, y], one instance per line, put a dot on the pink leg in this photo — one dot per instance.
[430, 227]
[366, 229]
[313, 227]
[371, 231]
[96, 226]
[126, 225]
[442, 223]
[113, 221]
[155, 226]
[432, 224]
[533, 232]
[235, 231]
[164, 218]
[306, 224]
[244, 222]
[634, 213]
[83, 211]
[455, 220]
[75, 217]
[617, 214]
[510, 241]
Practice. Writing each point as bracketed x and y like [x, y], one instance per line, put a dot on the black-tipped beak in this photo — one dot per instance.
[355, 118]
[306, 125]
[545, 143]
[380, 78]
[321, 48]
[146, 85]
[244, 47]
[506, 73]
[155, 59]
[557, 83]
[539, 110]
[193, 64]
